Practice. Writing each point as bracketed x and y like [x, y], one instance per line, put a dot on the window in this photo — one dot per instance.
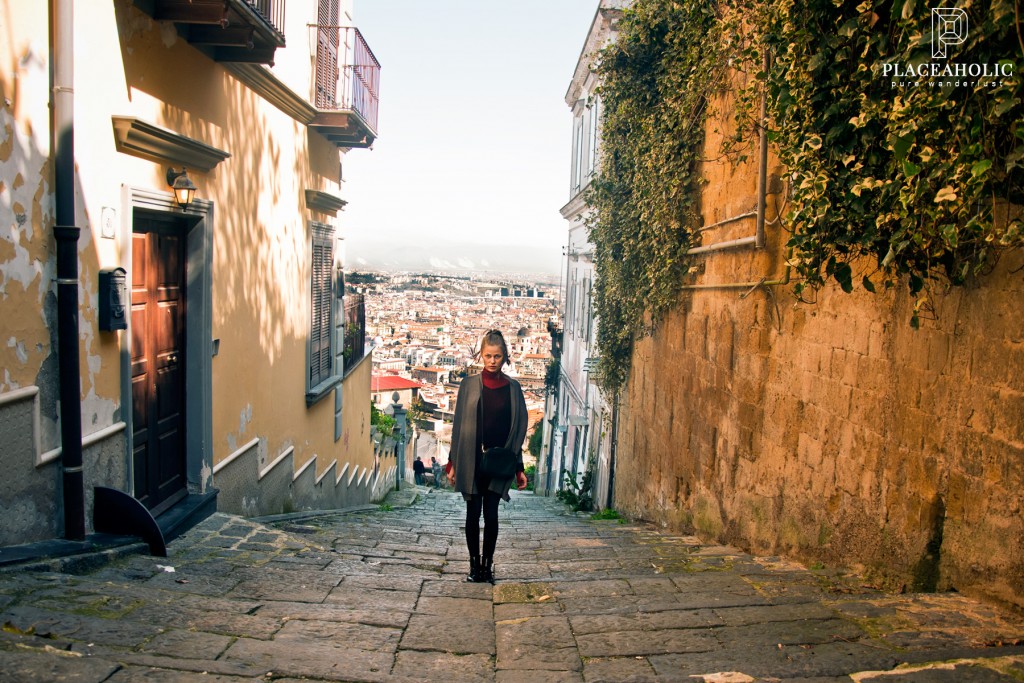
[577, 154]
[321, 354]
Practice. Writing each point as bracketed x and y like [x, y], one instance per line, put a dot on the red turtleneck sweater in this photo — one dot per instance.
[494, 380]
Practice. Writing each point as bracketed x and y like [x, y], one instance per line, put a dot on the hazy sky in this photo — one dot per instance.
[475, 135]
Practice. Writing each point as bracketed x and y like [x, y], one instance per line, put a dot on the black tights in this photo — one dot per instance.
[488, 502]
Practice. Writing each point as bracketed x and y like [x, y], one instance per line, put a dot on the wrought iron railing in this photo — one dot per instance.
[272, 12]
[355, 330]
[347, 73]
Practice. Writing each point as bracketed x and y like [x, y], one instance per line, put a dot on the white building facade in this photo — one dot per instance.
[578, 429]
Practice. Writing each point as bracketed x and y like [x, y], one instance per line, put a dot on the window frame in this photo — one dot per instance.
[577, 154]
[595, 130]
[321, 346]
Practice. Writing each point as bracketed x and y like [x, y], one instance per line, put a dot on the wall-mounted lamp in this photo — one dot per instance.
[184, 188]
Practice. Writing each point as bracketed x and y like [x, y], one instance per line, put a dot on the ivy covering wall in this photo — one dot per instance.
[894, 180]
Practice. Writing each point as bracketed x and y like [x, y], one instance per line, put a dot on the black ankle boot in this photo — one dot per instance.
[486, 571]
[474, 569]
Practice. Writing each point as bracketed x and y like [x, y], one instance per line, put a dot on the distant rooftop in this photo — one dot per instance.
[392, 383]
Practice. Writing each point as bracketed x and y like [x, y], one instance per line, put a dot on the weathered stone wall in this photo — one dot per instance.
[832, 430]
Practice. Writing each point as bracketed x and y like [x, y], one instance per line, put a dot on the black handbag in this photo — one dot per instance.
[498, 463]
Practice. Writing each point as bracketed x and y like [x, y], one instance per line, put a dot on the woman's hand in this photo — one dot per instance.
[451, 477]
[521, 480]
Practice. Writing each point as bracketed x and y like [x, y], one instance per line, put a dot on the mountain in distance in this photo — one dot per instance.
[454, 258]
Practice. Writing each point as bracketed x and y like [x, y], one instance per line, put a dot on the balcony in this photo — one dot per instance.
[239, 31]
[347, 87]
[354, 345]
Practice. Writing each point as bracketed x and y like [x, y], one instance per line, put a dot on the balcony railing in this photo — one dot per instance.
[272, 12]
[347, 82]
[228, 31]
[355, 330]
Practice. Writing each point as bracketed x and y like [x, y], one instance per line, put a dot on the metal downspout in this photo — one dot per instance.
[66, 233]
[610, 502]
[762, 192]
[762, 175]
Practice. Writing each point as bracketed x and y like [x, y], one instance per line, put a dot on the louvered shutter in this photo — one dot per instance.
[327, 40]
[320, 355]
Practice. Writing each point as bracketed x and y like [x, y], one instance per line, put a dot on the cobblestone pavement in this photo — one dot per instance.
[378, 595]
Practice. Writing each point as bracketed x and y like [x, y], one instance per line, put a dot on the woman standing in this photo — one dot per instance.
[489, 412]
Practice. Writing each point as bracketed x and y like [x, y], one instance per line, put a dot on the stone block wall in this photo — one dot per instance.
[833, 431]
[836, 432]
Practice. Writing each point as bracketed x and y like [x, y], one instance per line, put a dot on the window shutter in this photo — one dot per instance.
[570, 306]
[584, 302]
[320, 355]
[588, 326]
[327, 40]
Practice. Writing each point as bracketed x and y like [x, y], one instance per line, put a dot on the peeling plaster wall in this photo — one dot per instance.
[261, 266]
[27, 303]
[28, 496]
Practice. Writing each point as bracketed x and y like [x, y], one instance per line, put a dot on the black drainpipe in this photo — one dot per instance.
[66, 234]
[610, 502]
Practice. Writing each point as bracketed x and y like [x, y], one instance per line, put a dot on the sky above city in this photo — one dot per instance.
[472, 161]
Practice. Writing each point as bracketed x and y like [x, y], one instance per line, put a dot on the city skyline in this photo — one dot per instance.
[474, 148]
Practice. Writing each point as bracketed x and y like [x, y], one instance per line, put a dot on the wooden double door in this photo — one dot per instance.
[158, 298]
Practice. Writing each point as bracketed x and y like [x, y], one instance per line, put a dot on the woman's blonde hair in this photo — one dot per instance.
[493, 337]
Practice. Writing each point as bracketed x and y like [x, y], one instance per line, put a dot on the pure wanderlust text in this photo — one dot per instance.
[946, 75]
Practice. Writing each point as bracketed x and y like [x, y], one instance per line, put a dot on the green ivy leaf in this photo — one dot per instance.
[910, 169]
[1004, 106]
[980, 168]
[901, 145]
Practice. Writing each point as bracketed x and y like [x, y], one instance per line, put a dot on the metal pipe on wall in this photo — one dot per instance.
[718, 246]
[762, 174]
[726, 221]
[758, 240]
[66, 233]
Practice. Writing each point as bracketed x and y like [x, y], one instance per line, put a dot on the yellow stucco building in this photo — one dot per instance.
[219, 360]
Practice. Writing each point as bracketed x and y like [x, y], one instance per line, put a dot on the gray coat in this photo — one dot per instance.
[463, 452]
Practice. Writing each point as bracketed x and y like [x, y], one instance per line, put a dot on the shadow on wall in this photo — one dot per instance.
[29, 496]
[29, 426]
[251, 260]
[27, 265]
